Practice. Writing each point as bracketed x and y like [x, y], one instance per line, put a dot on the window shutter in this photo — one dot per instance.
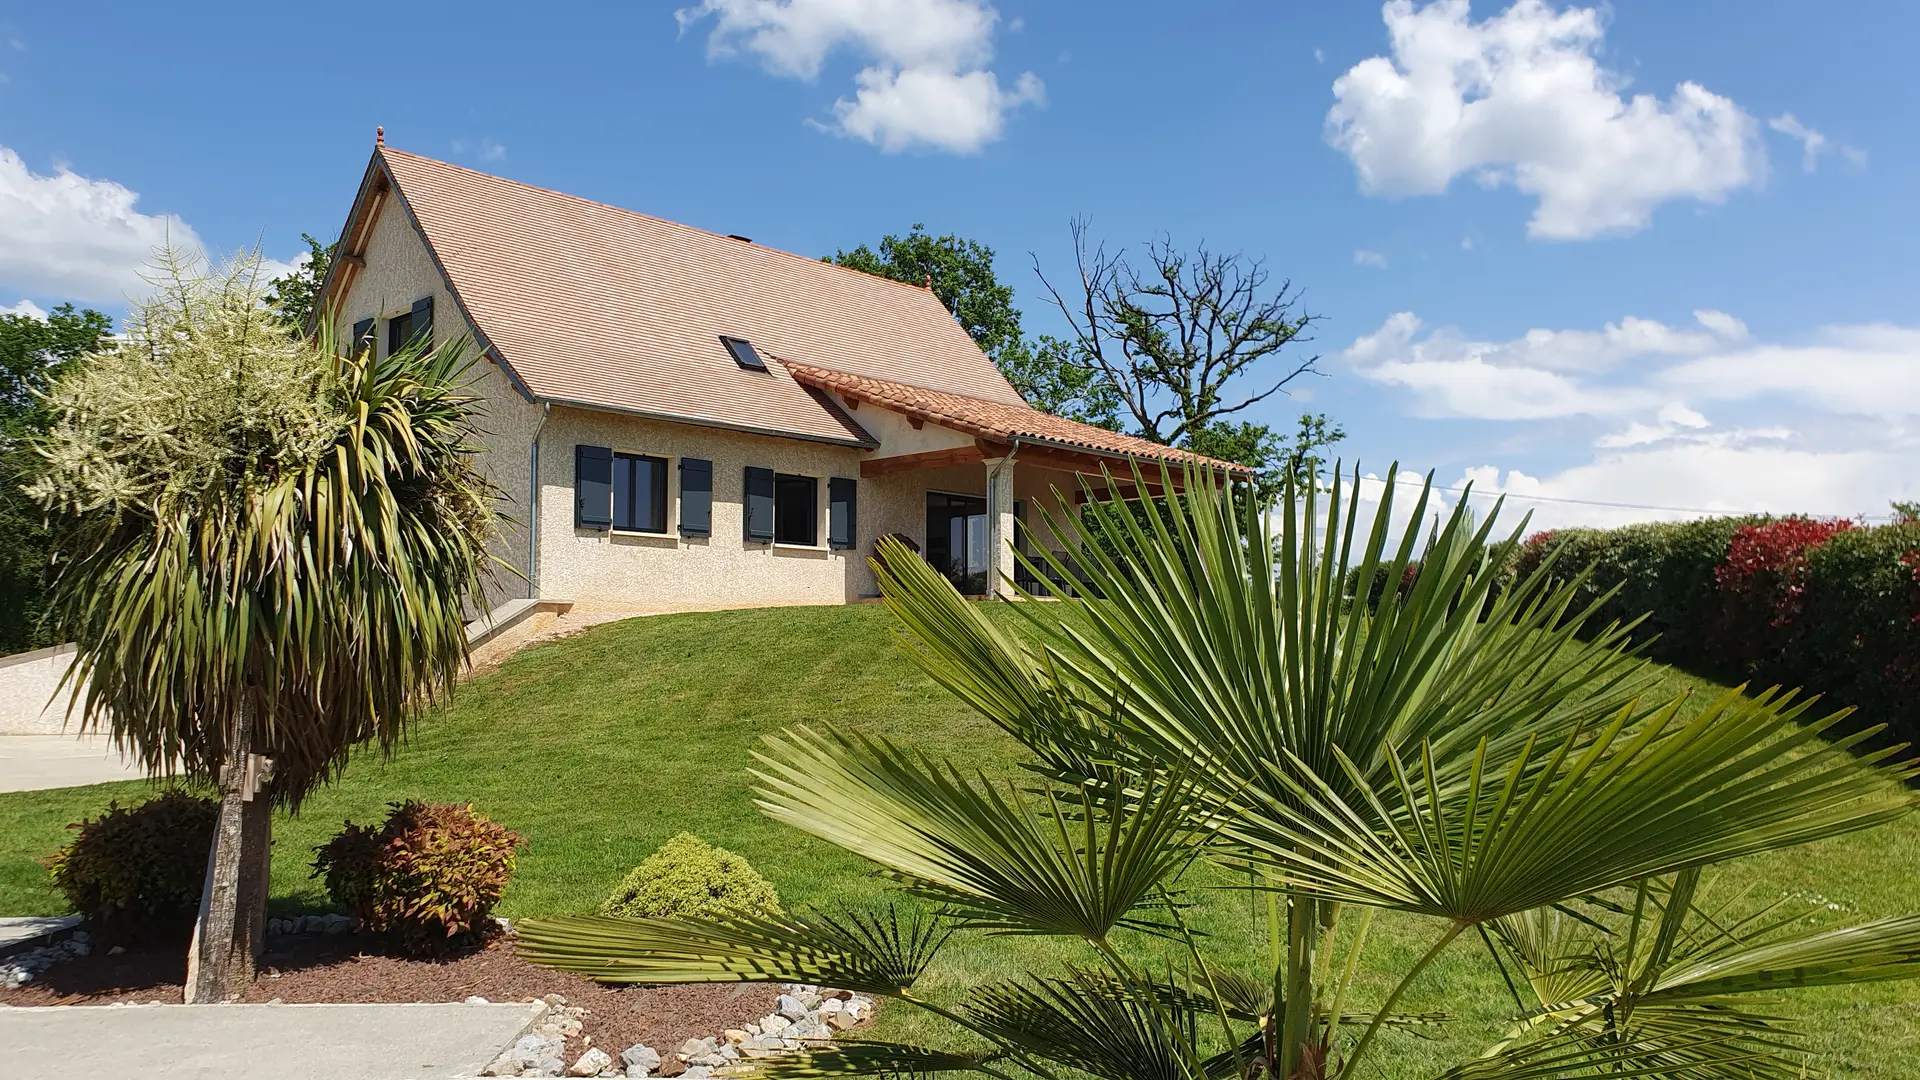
[758, 505]
[423, 321]
[362, 337]
[592, 487]
[843, 504]
[696, 497]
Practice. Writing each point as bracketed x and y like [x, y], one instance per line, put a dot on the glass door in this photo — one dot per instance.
[957, 539]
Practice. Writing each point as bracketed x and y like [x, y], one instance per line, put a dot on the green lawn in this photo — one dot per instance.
[599, 747]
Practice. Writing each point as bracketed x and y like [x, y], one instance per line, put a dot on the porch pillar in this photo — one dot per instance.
[1000, 562]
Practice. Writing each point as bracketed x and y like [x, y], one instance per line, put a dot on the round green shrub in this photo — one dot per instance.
[689, 878]
[426, 880]
[135, 872]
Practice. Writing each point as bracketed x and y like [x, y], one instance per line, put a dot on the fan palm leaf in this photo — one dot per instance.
[1075, 862]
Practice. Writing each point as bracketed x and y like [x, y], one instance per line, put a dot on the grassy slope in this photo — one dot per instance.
[600, 747]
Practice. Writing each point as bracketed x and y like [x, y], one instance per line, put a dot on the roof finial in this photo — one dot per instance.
[929, 285]
[379, 137]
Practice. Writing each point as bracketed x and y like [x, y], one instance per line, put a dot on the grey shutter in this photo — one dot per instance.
[843, 504]
[696, 497]
[422, 329]
[758, 505]
[362, 337]
[592, 487]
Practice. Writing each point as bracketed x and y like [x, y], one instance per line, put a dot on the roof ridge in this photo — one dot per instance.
[387, 149]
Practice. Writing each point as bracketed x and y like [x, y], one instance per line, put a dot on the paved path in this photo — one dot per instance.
[283, 1042]
[28, 931]
[34, 762]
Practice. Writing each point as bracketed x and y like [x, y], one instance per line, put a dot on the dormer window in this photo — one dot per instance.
[743, 353]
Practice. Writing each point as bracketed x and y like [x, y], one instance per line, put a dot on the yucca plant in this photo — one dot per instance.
[1468, 752]
[264, 549]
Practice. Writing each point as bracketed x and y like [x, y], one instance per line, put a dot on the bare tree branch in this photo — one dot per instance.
[1176, 338]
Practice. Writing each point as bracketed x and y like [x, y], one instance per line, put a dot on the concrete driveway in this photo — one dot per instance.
[285, 1042]
[34, 762]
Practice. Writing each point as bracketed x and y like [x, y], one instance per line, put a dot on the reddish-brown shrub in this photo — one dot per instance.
[1762, 585]
[427, 879]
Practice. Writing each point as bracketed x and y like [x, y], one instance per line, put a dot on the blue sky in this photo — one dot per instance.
[1647, 253]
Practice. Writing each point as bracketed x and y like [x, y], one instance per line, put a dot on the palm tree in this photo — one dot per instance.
[1468, 752]
[265, 549]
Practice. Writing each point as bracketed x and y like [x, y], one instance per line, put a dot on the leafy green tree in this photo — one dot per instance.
[264, 552]
[962, 276]
[33, 352]
[1464, 758]
[1275, 458]
[291, 296]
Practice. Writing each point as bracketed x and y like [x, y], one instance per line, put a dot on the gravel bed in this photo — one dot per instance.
[337, 967]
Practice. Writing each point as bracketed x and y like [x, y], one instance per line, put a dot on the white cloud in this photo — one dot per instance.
[67, 235]
[1813, 143]
[1319, 55]
[927, 84]
[26, 307]
[1691, 419]
[1680, 482]
[1363, 257]
[1521, 99]
[897, 110]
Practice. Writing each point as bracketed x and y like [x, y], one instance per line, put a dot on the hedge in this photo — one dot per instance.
[1825, 605]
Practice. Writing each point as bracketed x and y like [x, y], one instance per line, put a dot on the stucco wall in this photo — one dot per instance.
[604, 569]
[28, 681]
[398, 271]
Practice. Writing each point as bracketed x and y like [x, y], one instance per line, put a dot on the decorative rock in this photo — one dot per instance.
[774, 1025]
[734, 1035]
[841, 1020]
[590, 1063]
[476, 999]
[792, 1007]
[640, 1060]
[555, 1000]
[693, 1048]
[829, 1007]
[697, 1072]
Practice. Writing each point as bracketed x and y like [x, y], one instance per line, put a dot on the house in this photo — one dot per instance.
[684, 420]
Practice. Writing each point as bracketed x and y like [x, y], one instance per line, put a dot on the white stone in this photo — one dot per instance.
[775, 1024]
[792, 1007]
[476, 999]
[590, 1063]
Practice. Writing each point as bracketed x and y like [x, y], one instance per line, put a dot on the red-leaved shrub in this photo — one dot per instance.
[427, 879]
[1762, 585]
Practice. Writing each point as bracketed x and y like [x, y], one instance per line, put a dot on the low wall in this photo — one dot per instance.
[28, 685]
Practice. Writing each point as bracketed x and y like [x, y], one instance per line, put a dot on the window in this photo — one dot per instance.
[743, 353]
[639, 493]
[796, 513]
[402, 330]
[399, 332]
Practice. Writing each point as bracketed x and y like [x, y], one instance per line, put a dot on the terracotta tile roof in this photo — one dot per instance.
[991, 419]
[592, 304]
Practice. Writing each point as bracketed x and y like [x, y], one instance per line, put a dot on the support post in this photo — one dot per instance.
[1000, 561]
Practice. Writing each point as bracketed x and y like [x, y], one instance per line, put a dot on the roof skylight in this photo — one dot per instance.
[743, 353]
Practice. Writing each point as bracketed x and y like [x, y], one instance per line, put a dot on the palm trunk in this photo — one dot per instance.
[1298, 1058]
[230, 933]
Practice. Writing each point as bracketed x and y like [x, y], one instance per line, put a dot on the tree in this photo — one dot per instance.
[962, 276]
[292, 295]
[33, 352]
[1172, 342]
[1473, 759]
[264, 552]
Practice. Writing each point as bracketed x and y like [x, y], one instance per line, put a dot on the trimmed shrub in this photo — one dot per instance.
[136, 872]
[1762, 585]
[426, 880]
[690, 878]
[1859, 623]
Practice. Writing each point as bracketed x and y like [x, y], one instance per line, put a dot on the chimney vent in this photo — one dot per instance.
[742, 239]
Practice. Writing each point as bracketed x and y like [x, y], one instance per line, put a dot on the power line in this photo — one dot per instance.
[1611, 505]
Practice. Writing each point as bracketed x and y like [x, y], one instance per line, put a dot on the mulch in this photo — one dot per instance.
[304, 968]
